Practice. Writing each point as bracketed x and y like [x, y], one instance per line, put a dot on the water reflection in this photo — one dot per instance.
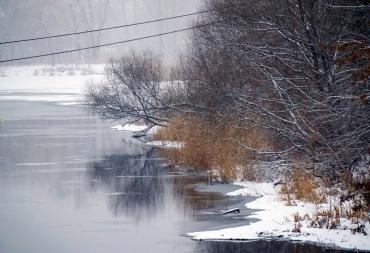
[261, 246]
[143, 184]
[134, 183]
[68, 183]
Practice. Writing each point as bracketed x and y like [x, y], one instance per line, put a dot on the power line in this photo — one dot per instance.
[112, 27]
[107, 44]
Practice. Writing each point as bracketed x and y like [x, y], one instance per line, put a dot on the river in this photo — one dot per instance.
[69, 184]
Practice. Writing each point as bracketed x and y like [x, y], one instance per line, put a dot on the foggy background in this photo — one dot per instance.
[20, 19]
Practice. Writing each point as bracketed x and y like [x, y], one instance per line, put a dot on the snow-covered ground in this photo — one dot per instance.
[63, 84]
[137, 128]
[165, 144]
[130, 127]
[276, 220]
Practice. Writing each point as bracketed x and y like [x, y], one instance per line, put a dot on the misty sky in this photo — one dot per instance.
[31, 18]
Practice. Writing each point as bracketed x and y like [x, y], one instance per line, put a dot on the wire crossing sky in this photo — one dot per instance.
[33, 19]
[112, 27]
[103, 29]
[106, 44]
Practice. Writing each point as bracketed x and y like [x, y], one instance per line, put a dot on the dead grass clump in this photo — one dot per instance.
[172, 132]
[329, 219]
[297, 228]
[301, 186]
[286, 193]
[217, 148]
[340, 206]
[248, 172]
[304, 186]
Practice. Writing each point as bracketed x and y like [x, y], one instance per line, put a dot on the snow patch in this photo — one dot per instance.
[165, 144]
[276, 221]
[60, 83]
[70, 103]
[130, 127]
[44, 98]
[253, 189]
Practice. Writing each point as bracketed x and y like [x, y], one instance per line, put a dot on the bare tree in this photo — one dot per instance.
[296, 69]
[132, 91]
[276, 64]
[135, 91]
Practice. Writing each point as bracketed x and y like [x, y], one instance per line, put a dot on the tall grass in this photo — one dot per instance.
[301, 185]
[216, 148]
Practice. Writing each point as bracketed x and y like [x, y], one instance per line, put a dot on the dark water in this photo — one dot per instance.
[262, 246]
[68, 183]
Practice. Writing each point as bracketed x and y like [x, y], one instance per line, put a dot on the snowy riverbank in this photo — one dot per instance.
[276, 220]
[62, 84]
[135, 129]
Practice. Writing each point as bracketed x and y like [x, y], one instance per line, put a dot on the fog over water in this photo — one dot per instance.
[21, 19]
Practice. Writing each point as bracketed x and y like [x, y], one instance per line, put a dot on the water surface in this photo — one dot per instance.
[69, 184]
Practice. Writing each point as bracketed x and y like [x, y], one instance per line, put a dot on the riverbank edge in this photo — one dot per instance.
[276, 218]
[276, 221]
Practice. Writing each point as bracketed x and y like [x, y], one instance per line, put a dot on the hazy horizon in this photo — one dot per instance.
[27, 19]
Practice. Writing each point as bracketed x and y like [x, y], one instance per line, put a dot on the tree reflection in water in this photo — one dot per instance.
[134, 183]
[140, 185]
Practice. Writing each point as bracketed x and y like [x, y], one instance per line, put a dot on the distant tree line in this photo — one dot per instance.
[298, 70]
